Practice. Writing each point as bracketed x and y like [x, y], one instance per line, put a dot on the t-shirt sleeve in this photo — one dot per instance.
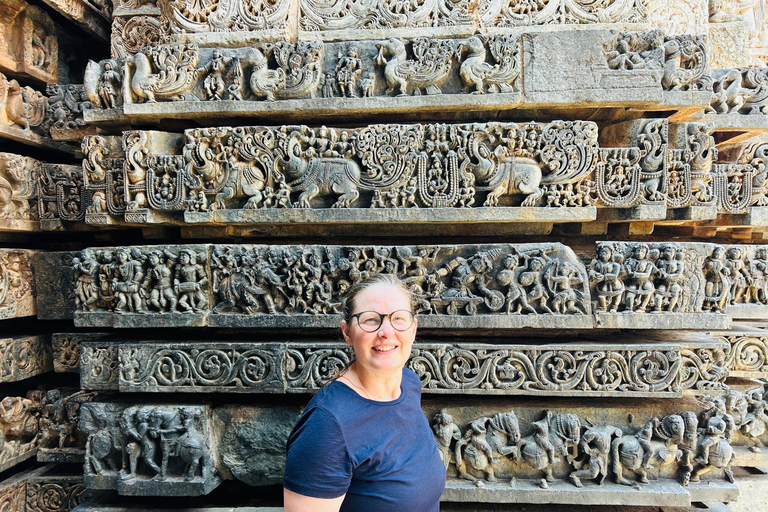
[317, 462]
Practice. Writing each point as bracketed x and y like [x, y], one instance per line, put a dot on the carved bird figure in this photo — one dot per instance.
[428, 71]
[475, 71]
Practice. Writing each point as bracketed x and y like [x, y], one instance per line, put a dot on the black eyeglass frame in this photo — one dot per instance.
[382, 317]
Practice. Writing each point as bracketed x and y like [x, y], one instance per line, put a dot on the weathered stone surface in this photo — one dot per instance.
[180, 435]
[28, 44]
[55, 282]
[559, 369]
[748, 281]
[747, 354]
[13, 494]
[18, 192]
[17, 288]
[679, 16]
[19, 425]
[51, 489]
[66, 349]
[60, 437]
[728, 44]
[22, 357]
[92, 16]
[251, 446]
[66, 104]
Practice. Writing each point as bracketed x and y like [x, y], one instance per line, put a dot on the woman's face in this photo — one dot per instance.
[385, 349]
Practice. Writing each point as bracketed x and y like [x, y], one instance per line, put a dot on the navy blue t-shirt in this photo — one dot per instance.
[381, 454]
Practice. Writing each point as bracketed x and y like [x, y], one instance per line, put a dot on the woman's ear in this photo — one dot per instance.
[345, 330]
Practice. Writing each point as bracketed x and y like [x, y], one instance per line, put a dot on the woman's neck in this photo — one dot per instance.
[374, 386]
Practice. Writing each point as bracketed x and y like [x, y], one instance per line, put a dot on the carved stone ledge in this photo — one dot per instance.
[748, 281]
[17, 287]
[66, 104]
[28, 44]
[55, 284]
[24, 357]
[186, 448]
[92, 16]
[66, 350]
[62, 198]
[559, 369]
[206, 285]
[18, 198]
[747, 353]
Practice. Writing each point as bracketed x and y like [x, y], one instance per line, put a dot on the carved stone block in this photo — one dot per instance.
[55, 282]
[66, 350]
[747, 281]
[160, 450]
[18, 192]
[66, 104]
[674, 282]
[60, 437]
[563, 369]
[53, 491]
[92, 16]
[728, 43]
[17, 288]
[13, 494]
[22, 108]
[23, 357]
[747, 353]
[28, 44]
[19, 426]
[679, 16]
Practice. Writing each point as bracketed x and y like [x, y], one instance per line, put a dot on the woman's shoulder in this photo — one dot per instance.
[411, 381]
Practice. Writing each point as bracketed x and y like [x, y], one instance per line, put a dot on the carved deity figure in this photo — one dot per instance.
[189, 281]
[640, 271]
[87, 287]
[192, 446]
[509, 277]
[671, 272]
[739, 276]
[104, 440]
[368, 84]
[718, 283]
[605, 277]
[562, 277]
[157, 285]
[755, 423]
[348, 70]
[109, 86]
[446, 432]
[213, 85]
[596, 445]
[127, 282]
[758, 271]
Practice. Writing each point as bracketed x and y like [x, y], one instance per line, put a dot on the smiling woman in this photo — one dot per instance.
[363, 442]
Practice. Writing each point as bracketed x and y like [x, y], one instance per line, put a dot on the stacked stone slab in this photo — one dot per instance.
[575, 191]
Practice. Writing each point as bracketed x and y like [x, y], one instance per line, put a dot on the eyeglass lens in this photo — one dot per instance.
[370, 321]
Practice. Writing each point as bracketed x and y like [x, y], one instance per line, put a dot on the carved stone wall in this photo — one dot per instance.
[17, 287]
[28, 43]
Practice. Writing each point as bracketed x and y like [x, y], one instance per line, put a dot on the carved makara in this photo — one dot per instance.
[430, 67]
[740, 90]
[22, 106]
[18, 186]
[686, 63]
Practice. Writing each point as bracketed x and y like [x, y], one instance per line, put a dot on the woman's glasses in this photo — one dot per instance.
[370, 321]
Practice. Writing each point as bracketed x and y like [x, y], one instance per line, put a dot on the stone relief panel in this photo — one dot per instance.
[690, 180]
[60, 494]
[513, 13]
[746, 354]
[677, 17]
[21, 107]
[565, 369]
[747, 276]
[30, 46]
[18, 192]
[17, 287]
[740, 91]
[66, 349]
[19, 425]
[60, 437]
[225, 15]
[61, 195]
[22, 357]
[149, 450]
[525, 285]
[99, 366]
[66, 103]
[13, 495]
[131, 34]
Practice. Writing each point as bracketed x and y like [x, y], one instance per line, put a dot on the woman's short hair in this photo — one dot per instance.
[348, 302]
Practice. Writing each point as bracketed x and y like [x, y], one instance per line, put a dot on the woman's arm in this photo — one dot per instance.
[294, 502]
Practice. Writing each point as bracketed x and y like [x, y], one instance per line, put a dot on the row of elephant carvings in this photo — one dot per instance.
[40, 420]
[556, 164]
[523, 279]
[562, 446]
[397, 67]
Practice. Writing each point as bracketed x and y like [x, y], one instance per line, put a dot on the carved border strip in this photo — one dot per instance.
[24, 357]
[570, 369]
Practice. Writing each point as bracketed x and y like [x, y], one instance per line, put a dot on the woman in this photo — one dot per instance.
[363, 443]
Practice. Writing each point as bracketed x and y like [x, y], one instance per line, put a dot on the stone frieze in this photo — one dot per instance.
[494, 449]
[656, 285]
[66, 103]
[18, 192]
[20, 428]
[48, 488]
[746, 354]
[294, 286]
[17, 287]
[149, 450]
[22, 357]
[559, 369]
[22, 107]
[28, 44]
